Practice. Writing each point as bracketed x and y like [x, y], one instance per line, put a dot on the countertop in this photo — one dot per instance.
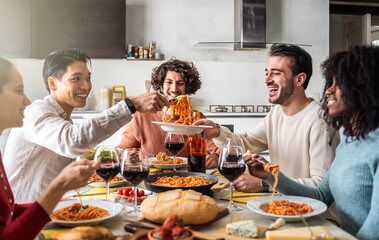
[77, 113]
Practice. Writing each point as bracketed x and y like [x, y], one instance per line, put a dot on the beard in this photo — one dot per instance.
[285, 93]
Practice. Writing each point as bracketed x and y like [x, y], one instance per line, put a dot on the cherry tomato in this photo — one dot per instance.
[131, 193]
[141, 193]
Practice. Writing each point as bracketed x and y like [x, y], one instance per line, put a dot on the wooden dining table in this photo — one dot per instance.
[116, 224]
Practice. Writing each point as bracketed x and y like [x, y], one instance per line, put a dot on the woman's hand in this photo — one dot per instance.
[71, 177]
[76, 174]
[255, 167]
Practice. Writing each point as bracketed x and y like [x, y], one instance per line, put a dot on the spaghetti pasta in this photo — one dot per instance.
[283, 207]
[95, 178]
[182, 109]
[176, 181]
[78, 212]
[163, 158]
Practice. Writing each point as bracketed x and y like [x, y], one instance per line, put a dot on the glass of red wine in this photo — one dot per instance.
[231, 166]
[134, 168]
[109, 163]
[174, 143]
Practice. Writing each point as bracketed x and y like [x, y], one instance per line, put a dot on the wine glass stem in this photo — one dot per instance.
[107, 184]
[231, 203]
[135, 198]
[174, 162]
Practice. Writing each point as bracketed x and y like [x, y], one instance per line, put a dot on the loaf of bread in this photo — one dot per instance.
[86, 232]
[193, 207]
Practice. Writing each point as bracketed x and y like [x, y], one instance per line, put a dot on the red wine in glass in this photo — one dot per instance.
[107, 171]
[135, 174]
[232, 171]
[174, 147]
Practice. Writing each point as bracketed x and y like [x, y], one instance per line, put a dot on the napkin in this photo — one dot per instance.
[245, 197]
[100, 193]
[54, 233]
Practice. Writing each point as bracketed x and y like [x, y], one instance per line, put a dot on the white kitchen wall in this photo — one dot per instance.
[229, 77]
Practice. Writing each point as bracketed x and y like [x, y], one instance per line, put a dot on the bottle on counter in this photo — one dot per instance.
[196, 154]
[140, 52]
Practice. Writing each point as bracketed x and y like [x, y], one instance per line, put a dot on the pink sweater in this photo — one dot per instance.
[141, 132]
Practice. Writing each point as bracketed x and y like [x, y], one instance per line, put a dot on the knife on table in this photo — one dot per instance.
[280, 222]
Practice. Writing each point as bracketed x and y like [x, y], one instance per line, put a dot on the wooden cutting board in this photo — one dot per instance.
[141, 234]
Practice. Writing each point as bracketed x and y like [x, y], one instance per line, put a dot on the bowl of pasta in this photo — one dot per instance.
[163, 161]
[96, 181]
[199, 182]
[285, 207]
[182, 129]
[73, 213]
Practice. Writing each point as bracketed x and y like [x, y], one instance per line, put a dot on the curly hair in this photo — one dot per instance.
[301, 61]
[188, 71]
[356, 73]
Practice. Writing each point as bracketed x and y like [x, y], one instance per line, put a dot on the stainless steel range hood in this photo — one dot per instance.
[249, 24]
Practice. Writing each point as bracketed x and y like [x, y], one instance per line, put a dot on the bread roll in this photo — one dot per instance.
[86, 233]
[193, 207]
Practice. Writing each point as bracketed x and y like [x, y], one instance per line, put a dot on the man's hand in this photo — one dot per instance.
[149, 102]
[207, 133]
[248, 183]
[211, 161]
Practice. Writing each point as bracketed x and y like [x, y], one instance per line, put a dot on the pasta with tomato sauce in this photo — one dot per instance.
[283, 207]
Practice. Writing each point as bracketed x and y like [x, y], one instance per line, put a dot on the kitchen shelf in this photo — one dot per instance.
[145, 60]
[240, 45]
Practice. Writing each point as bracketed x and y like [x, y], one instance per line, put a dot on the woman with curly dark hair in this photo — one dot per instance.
[351, 101]
[172, 78]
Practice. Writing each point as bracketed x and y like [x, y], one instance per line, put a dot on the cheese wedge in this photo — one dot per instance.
[299, 233]
[242, 228]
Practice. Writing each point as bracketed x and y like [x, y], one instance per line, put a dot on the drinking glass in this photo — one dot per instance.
[231, 166]
[108, 157]
[134, 168]
[174, 143]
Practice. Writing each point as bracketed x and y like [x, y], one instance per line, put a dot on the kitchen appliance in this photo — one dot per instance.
[118, 94]
[240, 108]
[249, 24]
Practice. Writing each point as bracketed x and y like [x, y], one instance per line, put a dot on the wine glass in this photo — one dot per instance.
[231, 166]
[174, 143]
[134, 168]
[108, 157]
[147, 85]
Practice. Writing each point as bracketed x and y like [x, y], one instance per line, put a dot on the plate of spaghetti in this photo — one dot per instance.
[199, 182]
[163, 161]
[90, 212]
[285, 207]
[96, 181]
[182, 129]
[181, 117]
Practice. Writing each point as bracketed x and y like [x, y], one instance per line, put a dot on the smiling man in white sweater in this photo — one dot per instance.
[293, 132]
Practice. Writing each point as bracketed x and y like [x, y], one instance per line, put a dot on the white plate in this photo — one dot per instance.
[167, 166]
[113, 208]
[182, 129]
[317, 206]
